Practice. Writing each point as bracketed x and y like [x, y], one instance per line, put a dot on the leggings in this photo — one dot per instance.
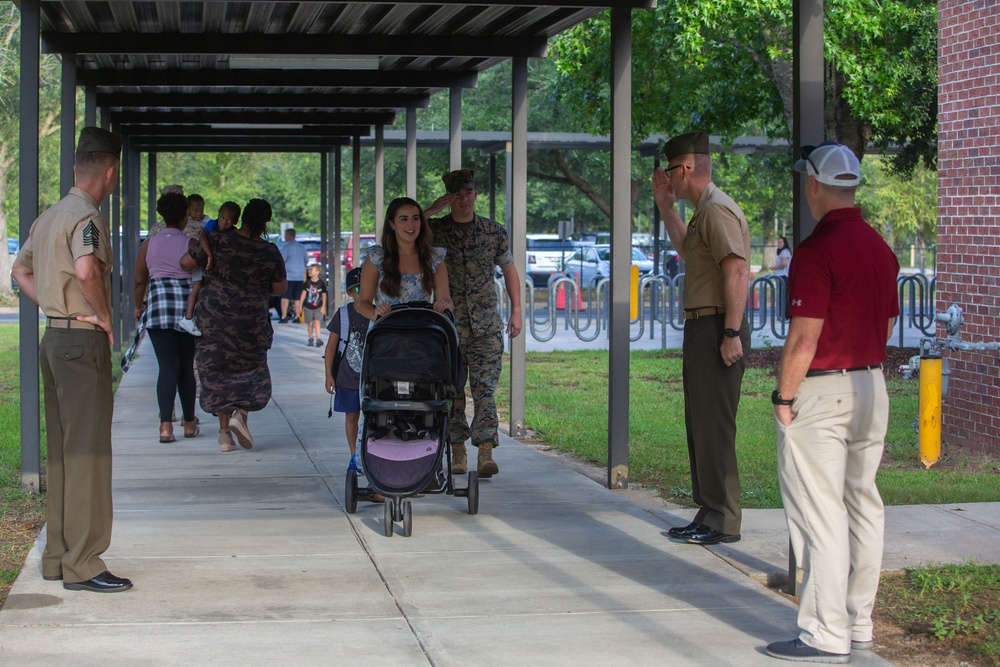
[175, 355]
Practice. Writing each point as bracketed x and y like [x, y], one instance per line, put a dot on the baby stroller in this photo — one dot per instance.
[409, 374]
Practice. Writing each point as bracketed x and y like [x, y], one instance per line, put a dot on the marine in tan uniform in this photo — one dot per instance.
[65, 267]
[715, 246]
[475, 245]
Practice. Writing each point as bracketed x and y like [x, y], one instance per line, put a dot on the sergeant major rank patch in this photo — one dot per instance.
[91, 236]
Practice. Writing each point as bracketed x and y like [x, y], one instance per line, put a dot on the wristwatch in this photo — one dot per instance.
[776, 398]
[731, 333]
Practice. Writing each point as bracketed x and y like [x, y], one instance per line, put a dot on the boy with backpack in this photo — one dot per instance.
[342, 358]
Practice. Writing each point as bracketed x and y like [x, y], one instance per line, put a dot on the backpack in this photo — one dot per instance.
[345, 332]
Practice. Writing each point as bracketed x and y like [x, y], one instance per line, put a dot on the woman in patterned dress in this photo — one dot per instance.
[233, 317]
[404, 267]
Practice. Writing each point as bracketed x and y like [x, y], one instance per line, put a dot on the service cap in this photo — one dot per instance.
[686, 144]
[98, 140]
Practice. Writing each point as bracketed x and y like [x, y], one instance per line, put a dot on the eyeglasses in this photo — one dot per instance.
[670, 169]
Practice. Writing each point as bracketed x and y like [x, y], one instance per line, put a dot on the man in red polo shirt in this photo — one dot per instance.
[832, 411]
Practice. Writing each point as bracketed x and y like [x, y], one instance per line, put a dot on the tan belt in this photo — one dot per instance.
[70, 323]
[695, 313]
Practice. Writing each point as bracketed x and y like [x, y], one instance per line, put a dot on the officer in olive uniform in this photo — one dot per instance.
[475, 245]
[65, 267]
[715, 245]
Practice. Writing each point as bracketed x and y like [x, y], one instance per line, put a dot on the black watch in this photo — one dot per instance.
[731, 333]
[776, 398]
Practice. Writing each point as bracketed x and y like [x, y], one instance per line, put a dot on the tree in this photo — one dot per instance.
[10, 77]
[725, 66]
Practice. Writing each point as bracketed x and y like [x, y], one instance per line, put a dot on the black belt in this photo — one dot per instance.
[841, 371]
[69, 323]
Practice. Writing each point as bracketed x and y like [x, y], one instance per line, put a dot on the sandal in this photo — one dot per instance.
[167, 432]
[226, 443]
[193, 424]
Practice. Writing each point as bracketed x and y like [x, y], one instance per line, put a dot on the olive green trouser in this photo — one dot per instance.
[76, 374]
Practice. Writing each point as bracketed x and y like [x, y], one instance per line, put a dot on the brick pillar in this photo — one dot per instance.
[968, 260]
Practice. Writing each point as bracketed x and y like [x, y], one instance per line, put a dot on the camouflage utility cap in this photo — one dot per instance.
[461, 179]
[98, 140]
[686, 144]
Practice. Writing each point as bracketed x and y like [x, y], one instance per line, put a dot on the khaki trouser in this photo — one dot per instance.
[76, 373]
[827, 460]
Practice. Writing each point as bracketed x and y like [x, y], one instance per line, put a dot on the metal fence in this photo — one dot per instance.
[563, 306]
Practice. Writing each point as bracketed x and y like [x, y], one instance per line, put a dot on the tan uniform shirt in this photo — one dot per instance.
[64, 233]
[717, 229]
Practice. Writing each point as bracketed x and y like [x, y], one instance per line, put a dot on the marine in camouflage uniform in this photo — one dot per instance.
[475, 245]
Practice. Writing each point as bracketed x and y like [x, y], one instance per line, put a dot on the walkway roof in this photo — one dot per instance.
[311, 70]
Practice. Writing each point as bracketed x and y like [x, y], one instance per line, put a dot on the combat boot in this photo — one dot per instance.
[487, 466]
[459, 462]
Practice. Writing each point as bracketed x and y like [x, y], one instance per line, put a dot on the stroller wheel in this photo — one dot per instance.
[472, 492]
[407, 518]
[351, 492]
[388, 517]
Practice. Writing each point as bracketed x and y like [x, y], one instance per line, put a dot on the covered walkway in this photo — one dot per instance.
[249, 558]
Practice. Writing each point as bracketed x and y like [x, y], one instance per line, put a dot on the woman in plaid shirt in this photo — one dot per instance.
[160, 310]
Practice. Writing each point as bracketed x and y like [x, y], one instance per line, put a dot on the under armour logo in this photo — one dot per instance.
[91, 236]
[796, 302]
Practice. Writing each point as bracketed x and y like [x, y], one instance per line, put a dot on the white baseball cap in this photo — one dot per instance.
[830, 163]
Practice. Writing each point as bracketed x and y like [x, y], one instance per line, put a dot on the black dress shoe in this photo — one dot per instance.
[105, 582]
[709, 536]
[692, 527]
[52, 577]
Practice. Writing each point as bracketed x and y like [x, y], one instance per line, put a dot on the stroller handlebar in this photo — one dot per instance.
[419, 305]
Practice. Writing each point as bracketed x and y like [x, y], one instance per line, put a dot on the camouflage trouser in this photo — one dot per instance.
[481, 358]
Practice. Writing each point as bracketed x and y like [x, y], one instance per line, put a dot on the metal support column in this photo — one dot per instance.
[455, 130]
[807, 128]
[335, 263]
[807, 101]
[411, 152]
[151, 190]
[621, 247]
[517, 231]
[31, 448]
[379, 179]
[67, 122]
[356, 202]
[493, 187]
[90, 106]
[324, 222]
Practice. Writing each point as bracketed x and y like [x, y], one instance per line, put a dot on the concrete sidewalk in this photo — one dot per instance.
[249, 558]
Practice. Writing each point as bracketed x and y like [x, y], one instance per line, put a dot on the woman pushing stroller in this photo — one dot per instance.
[404, 268]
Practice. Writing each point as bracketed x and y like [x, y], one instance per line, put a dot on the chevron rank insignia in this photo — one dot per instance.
[91, 236]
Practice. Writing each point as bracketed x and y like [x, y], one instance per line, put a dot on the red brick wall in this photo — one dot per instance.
[968, 260]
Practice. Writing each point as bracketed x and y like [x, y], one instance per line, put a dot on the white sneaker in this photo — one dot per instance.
[189, 326]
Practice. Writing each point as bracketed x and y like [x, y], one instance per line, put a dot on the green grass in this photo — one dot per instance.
[567, 395]
[954, 603]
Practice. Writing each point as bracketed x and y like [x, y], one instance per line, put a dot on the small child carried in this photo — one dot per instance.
[342, 358]
[229, 213]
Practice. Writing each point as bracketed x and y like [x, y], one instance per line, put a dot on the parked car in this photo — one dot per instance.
[348, 254]
[594, 261]
[547, 253]
[312, 243]
[13, 245]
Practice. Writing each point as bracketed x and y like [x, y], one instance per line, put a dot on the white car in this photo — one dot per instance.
[594, 261]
